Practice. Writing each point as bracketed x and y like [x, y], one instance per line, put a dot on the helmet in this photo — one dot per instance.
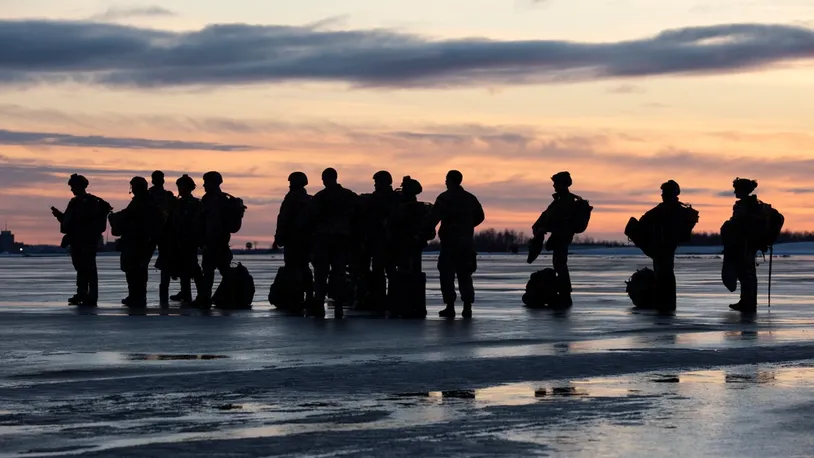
[383, 177]
[213, 177]
[157, 176]
[138, 184]
[562, 178]
[671, 188]
[298, 179]
[78, 181]
[744, 184]
[186, 181]
[411, 186]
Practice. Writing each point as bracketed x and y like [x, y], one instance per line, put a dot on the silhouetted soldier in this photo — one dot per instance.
[216, 236]
[294, 233]
[754, 227]
[333, 212]
[139, 226]
[663, 228]
[407, 228]
[377, 209]
[83, 223]
[459, 213]
[185, 229]
[165, 201]
[557, 220]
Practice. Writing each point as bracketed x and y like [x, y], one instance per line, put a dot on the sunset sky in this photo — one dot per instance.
[625, 94]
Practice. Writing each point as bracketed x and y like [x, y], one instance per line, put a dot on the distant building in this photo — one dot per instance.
[6, 241]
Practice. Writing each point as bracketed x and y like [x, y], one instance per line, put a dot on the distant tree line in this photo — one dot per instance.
[511, 241]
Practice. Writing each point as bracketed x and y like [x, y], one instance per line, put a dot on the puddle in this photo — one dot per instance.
[148, 357]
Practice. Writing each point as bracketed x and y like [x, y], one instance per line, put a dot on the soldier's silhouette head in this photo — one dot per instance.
[297, 180]
[454, 179]
[212, 181]
[158, 178]
[185, 185]
[382, 180]
[138, 186]
[410, 187]
[744, 187]
[329, 177]
[670, 191]
[562, 181]
[78, 184]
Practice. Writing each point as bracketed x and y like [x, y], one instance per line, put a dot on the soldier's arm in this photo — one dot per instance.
[437, 213]
[479, 215]
[282, 217]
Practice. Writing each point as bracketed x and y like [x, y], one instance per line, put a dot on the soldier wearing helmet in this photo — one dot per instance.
[558, 220]
[293, 233]
[165, 200]
[139, 226]
[83, 223]
[459, 213]
[185, 235]
[333, 213]
[215, 237]
[661, 230]
[740, 244]
[374, 260]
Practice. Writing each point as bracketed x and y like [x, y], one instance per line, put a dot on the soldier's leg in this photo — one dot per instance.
[560, 261]
[339, 263]
[322, 269]
[209, 263]
[748, 280]
[164, 287]
[446, 275]
[465, 264]
[81, 281]
[664, 268]
[378, 279]
[92, 276]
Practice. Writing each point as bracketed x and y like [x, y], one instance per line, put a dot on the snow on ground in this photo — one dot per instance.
[600, 380]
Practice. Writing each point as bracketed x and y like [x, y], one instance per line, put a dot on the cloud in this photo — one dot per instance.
[38, 52]
[627, 89]
[120, 12]
[8, 137]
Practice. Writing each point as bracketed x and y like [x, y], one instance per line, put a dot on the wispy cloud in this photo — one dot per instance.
[122, 12]
[626, 89]
[8, 137]
[33, 51]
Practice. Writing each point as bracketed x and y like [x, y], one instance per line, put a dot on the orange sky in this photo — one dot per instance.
[620, 137]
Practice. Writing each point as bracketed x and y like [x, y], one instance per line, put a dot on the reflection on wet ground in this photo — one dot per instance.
[143, 357]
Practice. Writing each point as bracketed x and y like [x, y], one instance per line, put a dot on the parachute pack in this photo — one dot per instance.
[581, 215]
[100, 208]
[767, 226]
[687, 222]
[234, 211]
[541, 289]
[236, 289]
[287, 292]
[642, 288]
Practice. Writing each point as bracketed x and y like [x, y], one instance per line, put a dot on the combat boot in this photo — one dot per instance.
[448, 312]
[467, 311]
[75, 300]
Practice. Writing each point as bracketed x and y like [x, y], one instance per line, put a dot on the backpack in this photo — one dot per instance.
[233, 215]
[287, 291]
[236, 289]
[99, 210]
[641, 288]
[541, 289]
[687, 222]
[767, 226]
[581, 215]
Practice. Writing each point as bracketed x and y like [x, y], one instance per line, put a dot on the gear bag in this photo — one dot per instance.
[407, 297]
[541, 289]
[581, 216]
[236, 289]
[287, 291]
[234, 211]
[642, 288]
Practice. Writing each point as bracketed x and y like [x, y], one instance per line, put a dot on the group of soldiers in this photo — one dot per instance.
[363, 247]
[155, 218]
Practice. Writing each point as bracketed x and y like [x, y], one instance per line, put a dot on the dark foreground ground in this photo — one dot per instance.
[599, 380]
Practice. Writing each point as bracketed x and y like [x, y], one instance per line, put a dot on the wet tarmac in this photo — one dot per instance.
[599, 380]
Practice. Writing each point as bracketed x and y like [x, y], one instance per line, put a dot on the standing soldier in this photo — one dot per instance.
[185, 233]
[216, 236]
[294, 234]
[139, 226]
[333, 212]
[459, 213]
[377, 209]
[566, 216]
[754, 226]
[83, 223]
[165, 201]
[662, 229]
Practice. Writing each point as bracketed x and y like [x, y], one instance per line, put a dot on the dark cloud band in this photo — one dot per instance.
[8, 137]
[52, 51]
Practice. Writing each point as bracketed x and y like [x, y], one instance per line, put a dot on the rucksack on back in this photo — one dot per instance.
[687, 222]
[581, 216]
[234, 213]
[768, 225]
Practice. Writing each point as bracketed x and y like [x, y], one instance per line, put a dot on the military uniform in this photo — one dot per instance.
[407, 233]
[333, 210]
[215, 242]
[294, 234]
[139, 226]
[83, 225]
[661, 225]
[459, 213]
[165, 200]
[557, 220]
[378, 208]
[740, 249]
[185, 230]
